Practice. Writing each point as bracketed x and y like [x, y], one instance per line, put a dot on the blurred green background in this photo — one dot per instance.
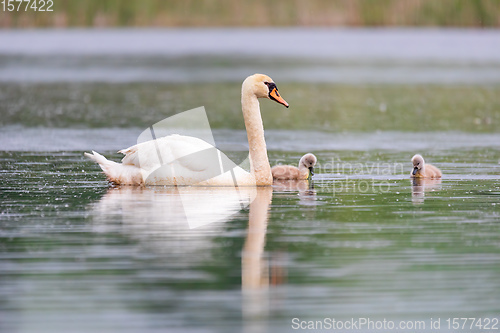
[315, 106]
[214, 13]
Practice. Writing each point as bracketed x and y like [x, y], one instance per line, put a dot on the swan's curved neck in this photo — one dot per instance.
[259, 163]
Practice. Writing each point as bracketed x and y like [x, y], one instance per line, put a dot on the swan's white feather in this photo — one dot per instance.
[174, 160]
[147, 155]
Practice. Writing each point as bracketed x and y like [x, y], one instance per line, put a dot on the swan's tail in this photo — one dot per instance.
[99, 159]
[117, 173]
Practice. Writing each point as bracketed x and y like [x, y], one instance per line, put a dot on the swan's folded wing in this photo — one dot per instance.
[177, 159]
[184, 150]
[144, 155]
[130, 155]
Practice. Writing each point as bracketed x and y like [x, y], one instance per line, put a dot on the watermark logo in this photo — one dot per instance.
[337, 176]
[181, 150]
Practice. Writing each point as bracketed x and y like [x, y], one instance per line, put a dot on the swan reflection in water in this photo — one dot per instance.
[257, 273]
[422, 185]
[180, 221]
[304, 187]
[170, 219]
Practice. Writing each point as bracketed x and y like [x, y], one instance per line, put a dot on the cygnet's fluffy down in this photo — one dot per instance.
[423, 170]
[304, 171]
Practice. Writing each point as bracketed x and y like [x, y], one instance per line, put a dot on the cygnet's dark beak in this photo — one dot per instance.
[311, 170]
[415, 169]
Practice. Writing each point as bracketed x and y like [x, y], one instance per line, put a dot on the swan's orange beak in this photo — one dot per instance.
[275, 95]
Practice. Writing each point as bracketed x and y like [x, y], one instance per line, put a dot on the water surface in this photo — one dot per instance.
[358, 242]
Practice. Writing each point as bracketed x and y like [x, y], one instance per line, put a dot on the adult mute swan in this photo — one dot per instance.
[186, 160]
[423, 170]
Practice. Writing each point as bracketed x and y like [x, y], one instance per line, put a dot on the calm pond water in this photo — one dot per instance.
[361, 241]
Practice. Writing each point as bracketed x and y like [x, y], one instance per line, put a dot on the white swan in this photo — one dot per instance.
[184, 158]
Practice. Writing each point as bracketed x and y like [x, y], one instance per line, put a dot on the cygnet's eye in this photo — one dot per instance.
[418, 163]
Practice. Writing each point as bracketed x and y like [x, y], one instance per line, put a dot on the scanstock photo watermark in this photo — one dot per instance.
[465, 324]
[337, 176]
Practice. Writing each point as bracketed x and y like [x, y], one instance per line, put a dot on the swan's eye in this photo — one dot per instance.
[271, 86]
